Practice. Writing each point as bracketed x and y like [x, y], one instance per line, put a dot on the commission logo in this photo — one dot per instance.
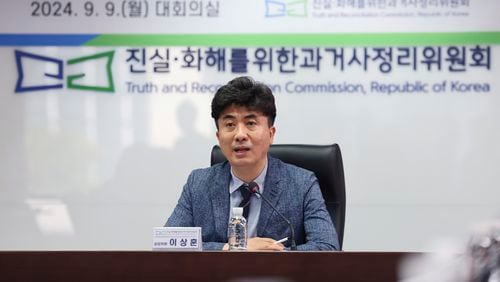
[91, 73]
[284, 8]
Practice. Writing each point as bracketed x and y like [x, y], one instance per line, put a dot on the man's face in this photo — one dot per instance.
[244, 136]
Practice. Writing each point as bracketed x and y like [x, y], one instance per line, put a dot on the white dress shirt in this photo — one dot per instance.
[255, 201]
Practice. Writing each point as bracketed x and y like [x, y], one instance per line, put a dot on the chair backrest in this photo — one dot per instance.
[325, 161]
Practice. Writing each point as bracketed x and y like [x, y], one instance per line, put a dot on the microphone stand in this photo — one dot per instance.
[254, 188]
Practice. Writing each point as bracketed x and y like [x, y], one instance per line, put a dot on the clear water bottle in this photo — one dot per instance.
[237, 232]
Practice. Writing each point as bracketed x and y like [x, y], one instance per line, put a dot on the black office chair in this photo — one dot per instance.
[325, 161]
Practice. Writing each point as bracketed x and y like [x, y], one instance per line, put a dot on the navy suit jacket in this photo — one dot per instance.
[294, 192]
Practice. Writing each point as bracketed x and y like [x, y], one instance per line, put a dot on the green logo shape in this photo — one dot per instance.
[297, 8]
[110, 87]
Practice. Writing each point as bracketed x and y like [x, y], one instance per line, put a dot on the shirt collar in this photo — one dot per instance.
[235, 182]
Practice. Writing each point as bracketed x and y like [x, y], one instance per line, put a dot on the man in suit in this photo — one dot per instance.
[244, 112]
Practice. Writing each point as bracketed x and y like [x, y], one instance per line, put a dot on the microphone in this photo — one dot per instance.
[254, 188]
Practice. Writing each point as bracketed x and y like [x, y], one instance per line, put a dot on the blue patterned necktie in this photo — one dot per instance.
[245, 203]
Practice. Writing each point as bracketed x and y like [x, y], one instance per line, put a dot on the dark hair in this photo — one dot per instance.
[244, 91]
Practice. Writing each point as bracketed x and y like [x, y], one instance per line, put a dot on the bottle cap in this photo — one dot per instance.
[237, 211]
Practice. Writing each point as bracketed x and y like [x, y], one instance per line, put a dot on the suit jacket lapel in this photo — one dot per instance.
[272, 191]
[219, 193]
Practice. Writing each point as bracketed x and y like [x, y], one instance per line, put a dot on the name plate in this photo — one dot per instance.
[177, 239]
